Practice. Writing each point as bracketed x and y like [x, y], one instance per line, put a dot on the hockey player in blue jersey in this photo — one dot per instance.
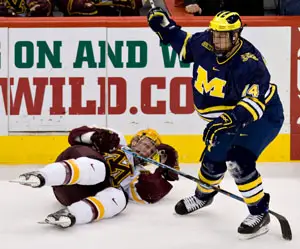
[232, 91]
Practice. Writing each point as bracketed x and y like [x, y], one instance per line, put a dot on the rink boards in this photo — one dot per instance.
[58, 78]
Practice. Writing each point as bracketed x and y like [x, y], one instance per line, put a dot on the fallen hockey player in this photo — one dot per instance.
[94, 178]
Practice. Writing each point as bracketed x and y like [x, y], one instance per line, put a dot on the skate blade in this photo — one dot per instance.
[30, 184]
[261, 231]
[43, 222]
[15, 181]
[60, 224]
[21, 182]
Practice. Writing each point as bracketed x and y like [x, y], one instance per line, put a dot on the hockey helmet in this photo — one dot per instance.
[150, 133]
[223, 28]
[145, 143]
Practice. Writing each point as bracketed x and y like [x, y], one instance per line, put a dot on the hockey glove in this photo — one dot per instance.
[225, 124]
[160, 22]
[105, 140]
[168, 156]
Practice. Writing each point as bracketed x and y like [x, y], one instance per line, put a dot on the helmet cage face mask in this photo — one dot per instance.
[222, 42]
[144, 146]
[223, 29]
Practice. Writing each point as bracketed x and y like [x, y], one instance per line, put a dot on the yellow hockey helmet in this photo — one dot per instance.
[145, 143]
[150, 133]
[226, 21]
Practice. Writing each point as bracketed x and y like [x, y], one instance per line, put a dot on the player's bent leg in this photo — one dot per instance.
[105, 204]
[69, 194]
[210, 173]
[83, 171]
[241, 163]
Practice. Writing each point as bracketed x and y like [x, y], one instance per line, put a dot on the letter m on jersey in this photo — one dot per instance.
[214, 87]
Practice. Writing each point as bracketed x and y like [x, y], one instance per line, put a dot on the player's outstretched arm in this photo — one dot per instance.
[103, 140]
[170, 33]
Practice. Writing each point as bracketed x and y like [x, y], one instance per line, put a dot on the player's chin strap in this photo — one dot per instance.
[285, 226]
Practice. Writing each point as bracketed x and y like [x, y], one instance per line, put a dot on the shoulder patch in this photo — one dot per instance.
[245, 57]
[206, 45]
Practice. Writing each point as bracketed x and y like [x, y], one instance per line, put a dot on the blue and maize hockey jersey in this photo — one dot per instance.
[240, 84]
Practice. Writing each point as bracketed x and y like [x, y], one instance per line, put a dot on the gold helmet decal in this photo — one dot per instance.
[150, 133]
[226, 21]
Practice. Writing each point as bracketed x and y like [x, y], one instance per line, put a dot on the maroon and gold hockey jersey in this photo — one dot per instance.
[141, 185]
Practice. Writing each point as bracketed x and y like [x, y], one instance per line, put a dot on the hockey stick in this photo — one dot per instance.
[152, 4]
[284, 224]
[164, 6]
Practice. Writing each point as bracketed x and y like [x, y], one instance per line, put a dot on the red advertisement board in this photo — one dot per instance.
[295, 94]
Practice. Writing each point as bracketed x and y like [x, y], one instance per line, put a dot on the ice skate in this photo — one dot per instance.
[254, 225]
[192, 203]
[62, 218]
[33, 179]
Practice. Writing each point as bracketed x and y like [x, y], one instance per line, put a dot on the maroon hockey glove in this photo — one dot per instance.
[105, 140]
[152, 187]
[169, 156]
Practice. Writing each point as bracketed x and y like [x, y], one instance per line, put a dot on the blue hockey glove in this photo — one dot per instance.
[160, 22]
[225, 124]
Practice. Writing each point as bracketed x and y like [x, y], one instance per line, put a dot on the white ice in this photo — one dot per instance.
[151, 226]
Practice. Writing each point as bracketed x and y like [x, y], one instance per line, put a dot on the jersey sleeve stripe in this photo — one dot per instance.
[255, 106]
[269, 96]
[183, 49]
[249, 109]
[257, 101]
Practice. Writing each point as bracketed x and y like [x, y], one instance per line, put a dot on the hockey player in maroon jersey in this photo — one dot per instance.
[94, 178]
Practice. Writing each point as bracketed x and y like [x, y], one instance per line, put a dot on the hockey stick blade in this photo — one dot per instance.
[284, 224]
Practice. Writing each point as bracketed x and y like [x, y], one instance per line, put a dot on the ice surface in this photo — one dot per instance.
[151, 226]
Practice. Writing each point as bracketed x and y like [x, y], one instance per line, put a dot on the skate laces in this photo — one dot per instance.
[253, 220]
[192, 203]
